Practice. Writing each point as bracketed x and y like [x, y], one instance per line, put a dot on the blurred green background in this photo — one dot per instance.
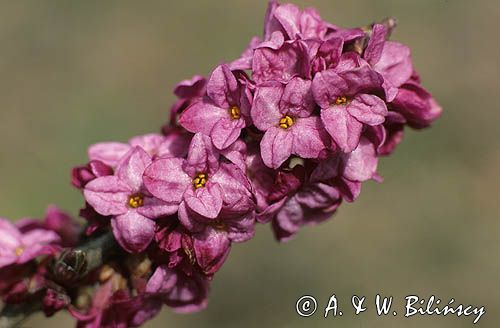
[76, 72]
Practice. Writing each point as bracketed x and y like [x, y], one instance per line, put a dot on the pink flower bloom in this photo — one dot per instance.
[110, 308]
[187, 92]
[55, 220]
[124, 197]
[203, 252]
[156, 145]
[389, 58]
[223, 112]
[294, 22]
[284, 113]
[63, 224]
[347, 103]
[184, 293]
[394, 132]
[200, 186]
[347, 171]
[82, 175]
[416, 105]
[312, 204]
[18, 248]
[280, 60]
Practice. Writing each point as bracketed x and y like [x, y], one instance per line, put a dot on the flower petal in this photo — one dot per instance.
[109, 153]
[222, 87]
[211, 248]
[132, 166]
[344, 129]
[202, 156]
[226, 131]
[206, 201]
[368, 109]
[201, 116]
[133, 231]
[166, 180]
[276, 147]
[297, 99]
[154, 208]
[361, 163]
[108, 195]
[266, 105]
[309, 137]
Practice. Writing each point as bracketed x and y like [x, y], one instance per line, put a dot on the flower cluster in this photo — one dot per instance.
[282, 135]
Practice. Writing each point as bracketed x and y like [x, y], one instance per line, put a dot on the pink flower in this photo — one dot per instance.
[223, 112]
[199, 182]
[110, 308]
[294, 22]
[184, 293]
[416, 105]
[187, 92]
[199, 252]
[18, 248]
[280, 60]
[312, 204]
[156, 145]
[389, 58]
[81, 175]
[348, 102]
[285, 114]
[124, 197]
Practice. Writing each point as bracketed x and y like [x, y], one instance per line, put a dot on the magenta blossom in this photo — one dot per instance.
[294, 22]
[312, 204]
[184, 293]
[156, 145]
[81, 175]
[284, 113]
[124, 197]
[348, 102]
[389, 58]
[348, 171]
[280, 60]
[203, 252]
[110, 308]
[223, 112]
[18, 248]
[206, 191]
[416, 105]
[187, 91]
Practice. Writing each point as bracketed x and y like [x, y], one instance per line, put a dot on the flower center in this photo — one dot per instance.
[136, 201]
[235, 113]
[341, 100]
[200, 180]
[19, 251]
[286, 122]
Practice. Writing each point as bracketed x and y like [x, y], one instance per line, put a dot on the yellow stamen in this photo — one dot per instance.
[286, 122]
[341, 100]
[136, 201]
[235, 113]
[19, 251]
[200, 180]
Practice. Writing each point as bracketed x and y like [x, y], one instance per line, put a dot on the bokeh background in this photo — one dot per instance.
[76, 72]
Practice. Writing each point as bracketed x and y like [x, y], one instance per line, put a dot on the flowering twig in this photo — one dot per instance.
[283, 135]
